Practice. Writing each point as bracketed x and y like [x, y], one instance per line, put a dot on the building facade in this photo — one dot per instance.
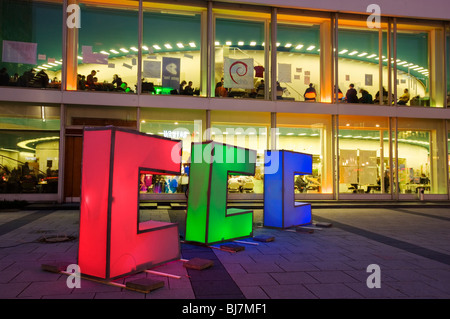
[364, 88]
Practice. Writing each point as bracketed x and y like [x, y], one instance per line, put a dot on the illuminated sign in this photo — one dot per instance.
[208, 218]
[280, 208]
[113, 241]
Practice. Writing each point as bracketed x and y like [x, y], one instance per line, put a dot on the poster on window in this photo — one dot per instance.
[19, 52]
[171, 72]
[284, 73]
[152, 69]
[238, 73]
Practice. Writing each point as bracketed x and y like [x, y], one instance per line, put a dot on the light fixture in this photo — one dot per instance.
[176, 123]
[343, 51]
[124, 50]
[362, 54]
[353, 53]
[253, 43]
[54, 64]
[58, 62]
[228, 43]
[371, 56]
[217, 43]
[311, 47]
[134, 49]
[157, 47]
[278, 44]
[104, 52]
[298, 47]
[348, 124]
[180, 45]
[401, 63]
[145, 47]
[113, 51]
[168, 46]
[192, 44]
[288, 45]
[48, 66]
[290, 134]
[241, 43]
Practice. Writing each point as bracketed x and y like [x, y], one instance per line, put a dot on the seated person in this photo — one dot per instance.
[351, 95]
[366, 97]
[310, 93]
[189, 90]
[424, 179]
[404, 98]
[117, 81]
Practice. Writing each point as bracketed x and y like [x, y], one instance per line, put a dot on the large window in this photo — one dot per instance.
[363, 155]
[107, 48]
[298, 58]
[310, 134]
[31, 43]
[185, 125]
[240, 62]
[29, 148]
[172, 53]
[362, 66]
[420, 163]
[248, 130]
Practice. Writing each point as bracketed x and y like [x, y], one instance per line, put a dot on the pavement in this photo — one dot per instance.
[407, 245]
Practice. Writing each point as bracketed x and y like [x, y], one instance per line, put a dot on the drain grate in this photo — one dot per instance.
[56, 239]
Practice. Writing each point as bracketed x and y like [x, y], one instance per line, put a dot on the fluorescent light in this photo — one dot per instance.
[217, 43]
[180, 45]
[54, 64]
[414, 66]
[343, 51]
[145, 47]
[415, 69]
[157, 47]
[362, 54]
[353, 53]
[79, 58]
[192, 44]
[372, 56]
[113, 51]
[47, 66]
[104, 52]
[228, 43]
[58, 62]
[241, 43]
[288, 45]
[311, 47]
[253, 43]
[298, 47]
[134, 49]
[124, 50]
[290, 134]
[168, 46]
[278, 44]
[401, 63]
[302, 134]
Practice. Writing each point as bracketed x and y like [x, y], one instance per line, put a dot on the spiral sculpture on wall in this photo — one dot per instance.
[239, 70]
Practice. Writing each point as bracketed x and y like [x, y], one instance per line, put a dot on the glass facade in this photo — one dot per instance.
[240, 61]
[171, 57]
[363, 155]
[31, 43]
[107, 61]
[29, 148]
[169, 68]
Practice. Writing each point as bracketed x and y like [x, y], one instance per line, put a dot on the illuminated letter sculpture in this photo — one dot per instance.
[208, 219]
[113, 242]
[280, 208]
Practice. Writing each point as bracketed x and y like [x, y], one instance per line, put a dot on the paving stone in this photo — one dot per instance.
[331, 276]
[12, 290]
[333, 291]
[255, 279]
[291, 277]
[288, 292]
[254, 293]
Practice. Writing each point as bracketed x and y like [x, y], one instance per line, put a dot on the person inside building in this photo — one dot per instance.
[182, 85]
[404, 98]
[90, 80]
[352, 95]
[189, 90]
[310, 93]
[384, 94]
[4, 77]
[366, 97]
[117, 81]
